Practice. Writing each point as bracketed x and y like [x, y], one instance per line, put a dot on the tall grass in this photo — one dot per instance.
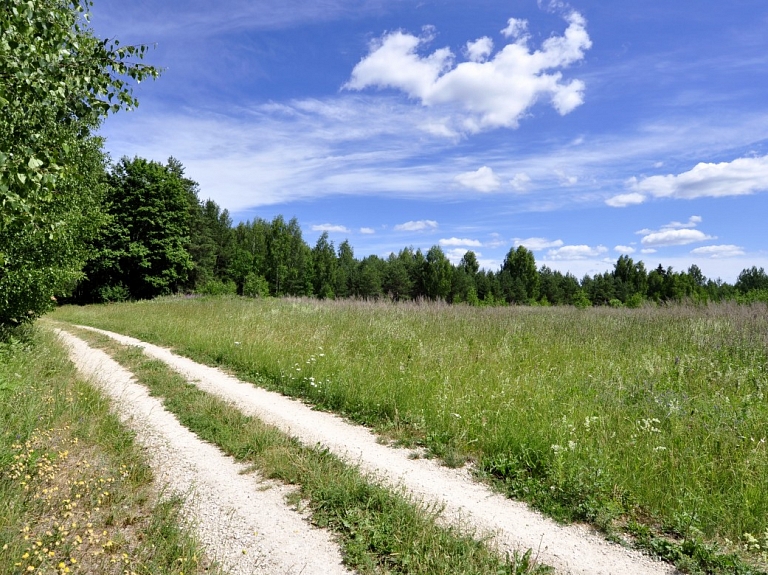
[655, 415]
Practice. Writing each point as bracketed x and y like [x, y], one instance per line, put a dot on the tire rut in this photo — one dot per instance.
[510, 525]
[242, 521]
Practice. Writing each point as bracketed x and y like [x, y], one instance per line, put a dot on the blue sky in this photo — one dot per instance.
[581, 130]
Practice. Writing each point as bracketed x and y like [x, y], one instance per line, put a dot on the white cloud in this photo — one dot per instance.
[367, 231]
[678, 237]
[536, 244]
[416, 226]
[520, 182]
[737, 178]
[624, 249]
[461, 242]
[482, 180]
[648, 251]
[330, 228]
[579, 252]
[565, 179]
[516, 28]
[496, 241]
[480, 49]
[675, 234]
[722, 251]
[492, 93]
[623, 200]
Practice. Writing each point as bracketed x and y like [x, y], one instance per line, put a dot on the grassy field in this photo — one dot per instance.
[380, 531]
[652, 421]
[75, 493]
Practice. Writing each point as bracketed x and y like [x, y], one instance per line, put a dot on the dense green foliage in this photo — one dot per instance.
[57, 82]
[141, 252]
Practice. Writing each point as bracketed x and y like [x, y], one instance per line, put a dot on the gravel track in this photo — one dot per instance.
[243, 522]
[510, 525]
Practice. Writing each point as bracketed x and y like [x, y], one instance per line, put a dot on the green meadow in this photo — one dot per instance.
[646, 422]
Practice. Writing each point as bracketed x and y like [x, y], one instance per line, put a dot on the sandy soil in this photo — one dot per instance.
[511, 525]
[243, 522]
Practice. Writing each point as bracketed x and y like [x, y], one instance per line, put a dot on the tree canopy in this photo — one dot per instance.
[57, 83]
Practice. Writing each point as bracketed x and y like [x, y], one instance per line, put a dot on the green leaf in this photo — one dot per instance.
[34, 163]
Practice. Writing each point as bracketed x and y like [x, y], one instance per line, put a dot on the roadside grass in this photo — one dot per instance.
[648, 422]
[75, 493]
[381, 531]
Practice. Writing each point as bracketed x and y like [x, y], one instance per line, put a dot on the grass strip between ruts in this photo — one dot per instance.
[76, 495]
[380, 531]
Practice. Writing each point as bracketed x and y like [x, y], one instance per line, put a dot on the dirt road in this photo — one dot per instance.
[511, 525]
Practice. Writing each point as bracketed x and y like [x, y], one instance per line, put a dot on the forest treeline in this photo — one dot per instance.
[161, 238]
[75, 226]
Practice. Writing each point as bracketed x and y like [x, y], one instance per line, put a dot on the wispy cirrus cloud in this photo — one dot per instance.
[537, 244]
[488, 92]
[461, 242]
[199, 20]
[330, 228]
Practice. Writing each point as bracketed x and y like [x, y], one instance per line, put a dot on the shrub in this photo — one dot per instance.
[255, 286]
[218, 287]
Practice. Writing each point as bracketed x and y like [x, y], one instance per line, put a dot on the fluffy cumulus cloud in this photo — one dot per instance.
[579, 252]
[330, 228]
[716, 252]
[520, 182]
[416, 226]
[451, 242]
[675, 234]
[737, 178]
[480, 49]
[624, 249]
[482, 180]
[516, 28]
[490, 90]
[624, 200]
[367, 231]
[536, 244]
